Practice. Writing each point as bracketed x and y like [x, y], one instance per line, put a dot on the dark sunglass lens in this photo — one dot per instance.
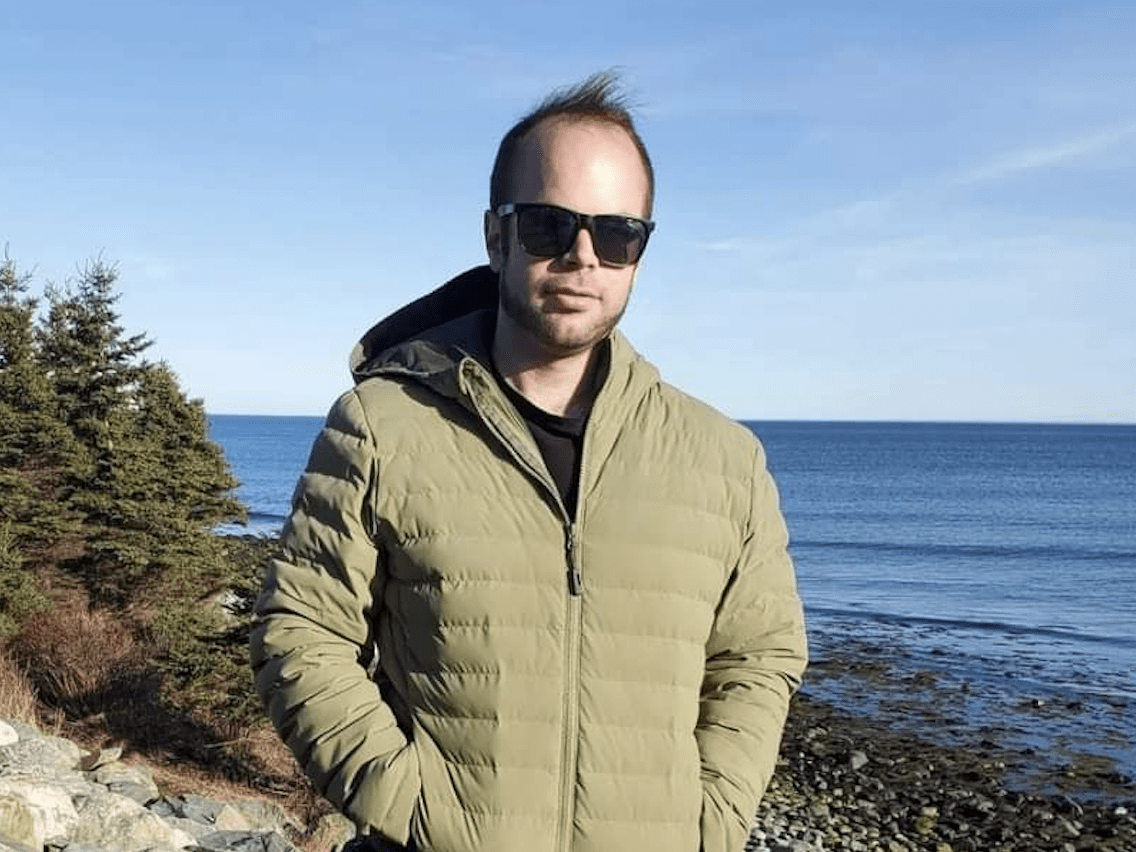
[618, 239]
[546, 231]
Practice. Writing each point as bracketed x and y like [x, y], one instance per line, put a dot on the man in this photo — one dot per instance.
[530, 597]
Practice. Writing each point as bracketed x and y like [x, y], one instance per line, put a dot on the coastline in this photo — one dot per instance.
[1055, 737]
[845, 783]
[903, 777]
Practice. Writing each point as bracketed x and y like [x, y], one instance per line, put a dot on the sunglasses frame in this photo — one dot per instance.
[585, 221]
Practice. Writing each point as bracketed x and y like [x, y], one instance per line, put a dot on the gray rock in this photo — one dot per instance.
[38, 750]
[89, 762]
[123, 825]
[194, 829]
[246, 841]
[134, 782]
[47, 802]
[34, 812]
[219, 816]
[18, 824]
[189, 806]
[116, 771]
[143, 795]
[8, 734]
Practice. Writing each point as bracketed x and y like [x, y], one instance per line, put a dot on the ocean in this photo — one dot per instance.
[990, 567]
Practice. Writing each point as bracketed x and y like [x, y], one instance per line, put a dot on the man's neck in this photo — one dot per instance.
[559, 384]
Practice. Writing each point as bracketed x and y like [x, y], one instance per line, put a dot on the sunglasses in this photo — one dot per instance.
[545, 230]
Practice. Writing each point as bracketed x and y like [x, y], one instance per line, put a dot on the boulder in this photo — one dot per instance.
[33, 812]
[119, 824]
[53, 798]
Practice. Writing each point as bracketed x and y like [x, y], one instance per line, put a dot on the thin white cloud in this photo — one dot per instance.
[730, 245]
[1029, 159]
[921, 205]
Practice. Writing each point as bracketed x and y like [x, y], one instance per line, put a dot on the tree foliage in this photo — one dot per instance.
[104, 460]
[36, 447]
[20, 595]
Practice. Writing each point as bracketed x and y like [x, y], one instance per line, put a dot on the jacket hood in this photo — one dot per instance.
[468, 300]
[430, 338]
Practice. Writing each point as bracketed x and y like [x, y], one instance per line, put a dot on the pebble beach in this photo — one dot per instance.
[890, 781]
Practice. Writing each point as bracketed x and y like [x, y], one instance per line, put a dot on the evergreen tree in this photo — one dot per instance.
[37, 450]
[167, 486]
[155, 485]
[92, 365]
[108, 480]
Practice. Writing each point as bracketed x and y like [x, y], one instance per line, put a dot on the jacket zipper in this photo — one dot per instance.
[573, 625]
[575, 578]
[570, 743]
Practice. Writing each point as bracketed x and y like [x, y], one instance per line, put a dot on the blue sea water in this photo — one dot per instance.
[1002, 554]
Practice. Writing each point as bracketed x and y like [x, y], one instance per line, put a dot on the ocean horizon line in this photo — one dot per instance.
[882, 421]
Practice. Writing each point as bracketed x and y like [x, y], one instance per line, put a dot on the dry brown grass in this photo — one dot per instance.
[17, 695]
[73, 654]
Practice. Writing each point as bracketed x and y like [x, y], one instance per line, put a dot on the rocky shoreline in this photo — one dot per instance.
[849, 783]
[884, 750]
[861, 783]
[842, 783]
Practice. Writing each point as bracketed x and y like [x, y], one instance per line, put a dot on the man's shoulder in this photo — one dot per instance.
[702, 421]
[671, 408]
[373, 404]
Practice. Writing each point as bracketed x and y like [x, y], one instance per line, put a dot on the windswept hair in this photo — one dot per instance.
[599, 98]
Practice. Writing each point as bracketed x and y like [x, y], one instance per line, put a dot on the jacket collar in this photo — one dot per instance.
[444, 340]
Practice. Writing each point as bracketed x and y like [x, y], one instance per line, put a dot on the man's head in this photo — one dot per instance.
[565, 278]
[597, 99]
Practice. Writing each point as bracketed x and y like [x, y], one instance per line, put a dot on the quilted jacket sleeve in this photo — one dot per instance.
[755, 657]
[314, 624]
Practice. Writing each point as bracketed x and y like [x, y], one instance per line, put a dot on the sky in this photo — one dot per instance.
[866, 211]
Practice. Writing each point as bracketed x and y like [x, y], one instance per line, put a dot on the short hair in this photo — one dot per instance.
[599, 98]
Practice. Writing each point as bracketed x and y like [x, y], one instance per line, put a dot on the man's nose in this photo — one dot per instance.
[581, 252]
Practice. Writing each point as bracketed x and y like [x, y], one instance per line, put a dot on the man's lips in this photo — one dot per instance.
[568, 301]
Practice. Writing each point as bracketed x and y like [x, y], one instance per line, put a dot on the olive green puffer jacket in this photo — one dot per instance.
[458, 665]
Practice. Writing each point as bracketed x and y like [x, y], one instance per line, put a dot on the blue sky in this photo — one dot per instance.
[871, 210]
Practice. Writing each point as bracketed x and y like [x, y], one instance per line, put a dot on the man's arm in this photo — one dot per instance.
[314, 622]
[755, 657]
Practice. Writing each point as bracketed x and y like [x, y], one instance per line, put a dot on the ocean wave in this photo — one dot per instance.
[1048, 631]
[984, 551]
[266, 518]
[259, 524]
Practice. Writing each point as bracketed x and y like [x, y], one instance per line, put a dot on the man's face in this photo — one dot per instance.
[567, 304]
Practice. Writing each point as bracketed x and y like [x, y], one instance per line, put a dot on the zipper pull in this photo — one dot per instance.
[575, 578]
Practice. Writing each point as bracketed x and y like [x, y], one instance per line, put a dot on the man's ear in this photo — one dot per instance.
[494, 241]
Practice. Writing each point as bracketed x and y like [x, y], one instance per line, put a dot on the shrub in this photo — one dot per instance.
[74, 655]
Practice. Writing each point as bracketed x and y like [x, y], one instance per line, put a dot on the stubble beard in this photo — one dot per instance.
[554, 335]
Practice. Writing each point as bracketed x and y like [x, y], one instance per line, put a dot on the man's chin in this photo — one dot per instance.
[564, 339]
[560, 333]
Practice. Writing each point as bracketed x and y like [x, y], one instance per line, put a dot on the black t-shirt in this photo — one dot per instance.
[560, 440]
